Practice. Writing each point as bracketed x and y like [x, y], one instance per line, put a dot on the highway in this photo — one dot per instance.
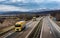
[12, 31]
[13, 34]
[46, 32]
[41, 28]
[49, 29]
[54, 28]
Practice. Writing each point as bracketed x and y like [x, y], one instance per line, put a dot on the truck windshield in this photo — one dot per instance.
[17, 25]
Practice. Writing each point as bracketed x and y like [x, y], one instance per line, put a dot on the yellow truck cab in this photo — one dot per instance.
[20, 25]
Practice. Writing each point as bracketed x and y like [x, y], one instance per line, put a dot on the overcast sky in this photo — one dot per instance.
[28, 5]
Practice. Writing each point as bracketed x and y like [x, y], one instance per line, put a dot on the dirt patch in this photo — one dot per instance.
[7, 22]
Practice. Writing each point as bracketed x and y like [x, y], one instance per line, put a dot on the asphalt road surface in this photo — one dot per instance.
[46, 31]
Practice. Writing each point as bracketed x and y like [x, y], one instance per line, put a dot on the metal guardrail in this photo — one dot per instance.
[34, 33]
[55, 28]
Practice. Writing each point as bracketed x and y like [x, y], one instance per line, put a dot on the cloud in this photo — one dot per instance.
[12, 8]
[38, 1]
[45, 1]
[29, 1]
[2, 0]
[15, 1]
[55, 0]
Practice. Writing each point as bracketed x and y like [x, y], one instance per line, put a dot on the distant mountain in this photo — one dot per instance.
[37, 12]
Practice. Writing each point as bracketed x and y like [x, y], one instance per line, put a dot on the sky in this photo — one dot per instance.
[28, 5]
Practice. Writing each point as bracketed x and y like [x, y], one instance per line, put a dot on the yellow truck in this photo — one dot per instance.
[19, 26]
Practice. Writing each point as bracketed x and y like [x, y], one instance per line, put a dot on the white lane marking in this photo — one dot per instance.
[28, 24]
[4, 36]
[50, 32]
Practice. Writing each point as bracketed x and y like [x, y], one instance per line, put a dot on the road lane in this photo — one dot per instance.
[25, 32]
[54, 28]
[46, 32]
[12, 31]
[29, 29]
